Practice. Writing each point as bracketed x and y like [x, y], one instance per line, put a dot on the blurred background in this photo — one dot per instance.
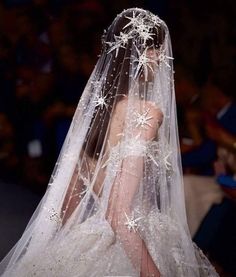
[48, 49]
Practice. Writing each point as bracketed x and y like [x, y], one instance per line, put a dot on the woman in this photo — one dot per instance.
[115, 204]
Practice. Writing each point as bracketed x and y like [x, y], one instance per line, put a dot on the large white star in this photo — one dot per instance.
[134, 21]
[163, 58]
[69, 157]
[144, 61]
[120, 41]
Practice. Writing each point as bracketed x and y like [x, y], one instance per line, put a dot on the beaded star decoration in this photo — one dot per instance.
[140, 29]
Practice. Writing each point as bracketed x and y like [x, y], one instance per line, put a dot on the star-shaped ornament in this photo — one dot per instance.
[87, 187]
[114, 156]
[145, 36]
[156, 21]
[144, 62]
[132, 222]
[166, 162]
[100, 101]
[142, 119]
[120, 41]
[134, 21]
[163, 58]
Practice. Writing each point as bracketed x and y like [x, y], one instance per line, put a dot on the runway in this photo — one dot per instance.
[17, 204]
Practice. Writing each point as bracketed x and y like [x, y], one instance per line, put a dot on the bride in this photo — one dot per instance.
[115, 204]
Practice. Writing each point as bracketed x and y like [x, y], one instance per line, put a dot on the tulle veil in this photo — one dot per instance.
[120, 165]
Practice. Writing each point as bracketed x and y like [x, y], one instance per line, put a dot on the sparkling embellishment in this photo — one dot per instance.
[134, 21]
[97, 84]
[143, 30]
[120, 41]
[114, 157]
[145, 34]
[142, 119]
[101, 101]
[53, 215]
[131, 223]
[163, 58]
[166, 162]
[144, 61]
[87, 187]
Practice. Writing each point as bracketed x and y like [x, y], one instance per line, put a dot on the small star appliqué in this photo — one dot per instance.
[163, 58]
[166, 162]
[101, 101]
[132, 223]
[142, 119]
[87, 187]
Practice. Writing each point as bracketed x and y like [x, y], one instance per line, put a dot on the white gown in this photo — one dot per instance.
[91, 249]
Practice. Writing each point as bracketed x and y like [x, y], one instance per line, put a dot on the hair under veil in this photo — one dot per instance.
[115, 203]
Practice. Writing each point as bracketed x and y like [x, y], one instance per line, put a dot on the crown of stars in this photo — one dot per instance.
[141, 27]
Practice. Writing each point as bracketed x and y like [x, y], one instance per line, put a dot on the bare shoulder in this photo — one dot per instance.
[144, 104]
[154, 110]
[121, 105]
[141, 106]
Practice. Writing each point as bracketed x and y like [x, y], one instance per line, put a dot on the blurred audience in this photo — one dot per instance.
[47, 52]
[198, 150]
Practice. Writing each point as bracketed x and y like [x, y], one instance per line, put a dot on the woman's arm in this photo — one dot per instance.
[122, 195]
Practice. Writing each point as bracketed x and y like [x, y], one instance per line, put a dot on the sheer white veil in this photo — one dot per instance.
[125, 123]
